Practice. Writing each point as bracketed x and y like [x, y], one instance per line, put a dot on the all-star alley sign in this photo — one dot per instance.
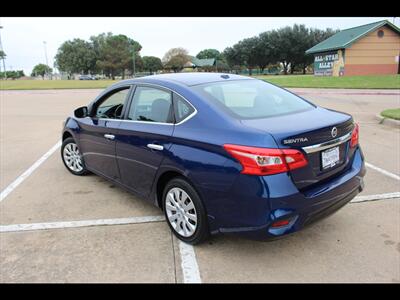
[323, 63]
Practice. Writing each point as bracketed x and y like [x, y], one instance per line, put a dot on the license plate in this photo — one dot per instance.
[330, 157]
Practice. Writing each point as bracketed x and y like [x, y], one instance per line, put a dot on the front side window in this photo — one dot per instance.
[151, 105]
[111, 107]
[251, 99]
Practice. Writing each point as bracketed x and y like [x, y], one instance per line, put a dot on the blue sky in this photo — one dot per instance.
[22, 38]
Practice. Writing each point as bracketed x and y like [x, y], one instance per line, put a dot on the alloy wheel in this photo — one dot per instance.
[181, 212]
[72, 157]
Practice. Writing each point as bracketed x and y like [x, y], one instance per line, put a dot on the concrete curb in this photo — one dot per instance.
[387, 121]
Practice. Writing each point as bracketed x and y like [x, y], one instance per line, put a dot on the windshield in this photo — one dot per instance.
[252, 99]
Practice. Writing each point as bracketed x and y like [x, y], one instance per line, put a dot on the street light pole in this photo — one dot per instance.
[4, 64]
[45, 54]
[134, 63]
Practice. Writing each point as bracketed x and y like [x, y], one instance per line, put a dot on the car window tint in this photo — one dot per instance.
[111, 107]
[249, 99]
[151, 105]
[182, 108]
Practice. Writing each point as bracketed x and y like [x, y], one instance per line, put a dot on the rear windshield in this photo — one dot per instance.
[252, 99]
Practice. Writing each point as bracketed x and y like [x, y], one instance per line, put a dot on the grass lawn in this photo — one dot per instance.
[304, 81]
[393, 113]
[53, 84]
[351, 82]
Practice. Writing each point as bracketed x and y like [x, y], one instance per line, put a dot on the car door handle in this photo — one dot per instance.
[109, 136]
[155, 147]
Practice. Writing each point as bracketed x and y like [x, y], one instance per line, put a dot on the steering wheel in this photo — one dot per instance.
[117, 111]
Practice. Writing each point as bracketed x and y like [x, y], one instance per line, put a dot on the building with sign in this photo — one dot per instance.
[370, 49]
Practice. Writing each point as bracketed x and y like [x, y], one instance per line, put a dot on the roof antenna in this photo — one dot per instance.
[225, 76]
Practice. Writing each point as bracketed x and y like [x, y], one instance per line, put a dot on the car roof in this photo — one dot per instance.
[190, 79]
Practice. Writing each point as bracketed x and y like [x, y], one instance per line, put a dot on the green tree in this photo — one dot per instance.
[115, 53]
[288, 45]
[41, 69]
[152, 63]
[249, 53]
[3, 56]
[209, 53]
[246, 48]
[175, 59]
[243, 53]
[232, 58]
[265, 54]
[13, 74]
[76, 56]
[221, 65]
[299, 35]
[281, 41]
[285, 46]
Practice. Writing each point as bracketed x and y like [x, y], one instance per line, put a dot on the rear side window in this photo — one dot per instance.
[252, 99]
[182, 108]
[151, 105]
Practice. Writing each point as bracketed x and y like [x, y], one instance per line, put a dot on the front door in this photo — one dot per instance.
[144, 137]
[98, 132]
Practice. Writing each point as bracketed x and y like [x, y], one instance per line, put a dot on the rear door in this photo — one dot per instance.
[144, 137]
[98, 132]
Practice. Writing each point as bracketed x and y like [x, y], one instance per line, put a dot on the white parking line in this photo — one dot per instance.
[4, 193]
[375, 197]
[85, 223]
[188, 256]
[190, 268]
[189, 265]
[384, 172]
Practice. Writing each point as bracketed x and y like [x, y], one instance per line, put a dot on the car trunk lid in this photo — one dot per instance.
[321, 134]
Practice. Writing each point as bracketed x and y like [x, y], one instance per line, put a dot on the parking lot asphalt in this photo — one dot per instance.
[359, 243]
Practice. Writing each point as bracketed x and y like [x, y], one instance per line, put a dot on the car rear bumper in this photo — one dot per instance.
[253, 211]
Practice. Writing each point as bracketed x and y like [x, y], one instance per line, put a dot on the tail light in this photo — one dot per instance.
[266, 161]
[354, 136]
[280, 223]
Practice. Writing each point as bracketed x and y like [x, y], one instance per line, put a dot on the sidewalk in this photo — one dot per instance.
[304, 91]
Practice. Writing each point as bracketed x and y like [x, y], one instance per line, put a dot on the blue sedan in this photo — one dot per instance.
[219, 153]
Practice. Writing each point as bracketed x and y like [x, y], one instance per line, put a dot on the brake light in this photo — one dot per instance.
[266, 161]
[354, 136]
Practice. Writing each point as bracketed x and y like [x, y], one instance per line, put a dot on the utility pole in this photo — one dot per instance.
[4, 64]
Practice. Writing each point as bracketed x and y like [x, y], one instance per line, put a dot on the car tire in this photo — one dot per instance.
[72, 158]
[186, 210]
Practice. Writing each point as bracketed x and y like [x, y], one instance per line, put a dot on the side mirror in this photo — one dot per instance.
[81, 112]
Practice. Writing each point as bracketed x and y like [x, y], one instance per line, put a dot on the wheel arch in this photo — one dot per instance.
[66, 134]
[166, 176]
[71, 129]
